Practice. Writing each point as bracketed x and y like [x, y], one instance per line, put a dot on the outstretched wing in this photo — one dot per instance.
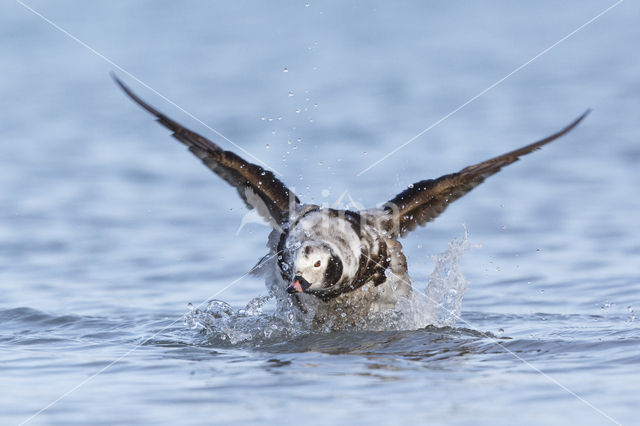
[259, 188]
[425, 200]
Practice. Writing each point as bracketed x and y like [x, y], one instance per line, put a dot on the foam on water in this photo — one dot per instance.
[438, 305]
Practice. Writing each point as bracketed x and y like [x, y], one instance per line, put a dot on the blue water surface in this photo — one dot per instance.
[109, 228]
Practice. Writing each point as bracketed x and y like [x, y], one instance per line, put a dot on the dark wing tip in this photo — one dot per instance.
[584, 114]
[135, 97]
[570, 126]
[577, 121]
[124, 87]
[163, 119]
[515, 154]
[565, 130]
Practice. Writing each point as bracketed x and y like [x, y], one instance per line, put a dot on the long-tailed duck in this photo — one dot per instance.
[341, 265]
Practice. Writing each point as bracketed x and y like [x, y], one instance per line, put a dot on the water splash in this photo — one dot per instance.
[447, 285]
[220, 322]
[439, 305]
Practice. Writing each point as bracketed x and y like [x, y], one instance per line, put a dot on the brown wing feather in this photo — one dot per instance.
[259, 188]
[427, 199]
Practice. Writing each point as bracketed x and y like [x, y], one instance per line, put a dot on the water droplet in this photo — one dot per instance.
[263, 118]
[299, 139]
[273, 132]
[410, 186]
[315, 105]
[297, 110]
[285, 70]
[299, 177]
[267, 146]
[290, 93]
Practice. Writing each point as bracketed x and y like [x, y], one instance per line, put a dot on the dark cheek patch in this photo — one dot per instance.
[333, 273]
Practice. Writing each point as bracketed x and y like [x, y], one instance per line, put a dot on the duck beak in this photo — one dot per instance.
[299, 285]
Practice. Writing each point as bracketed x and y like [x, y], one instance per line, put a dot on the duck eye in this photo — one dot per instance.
[317, 264]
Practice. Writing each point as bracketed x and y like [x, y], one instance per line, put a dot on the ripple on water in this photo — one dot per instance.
[32, 327]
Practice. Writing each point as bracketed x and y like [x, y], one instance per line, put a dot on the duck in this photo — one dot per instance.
[337, 268]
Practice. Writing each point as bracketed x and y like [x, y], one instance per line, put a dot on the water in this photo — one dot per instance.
[109, 229]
